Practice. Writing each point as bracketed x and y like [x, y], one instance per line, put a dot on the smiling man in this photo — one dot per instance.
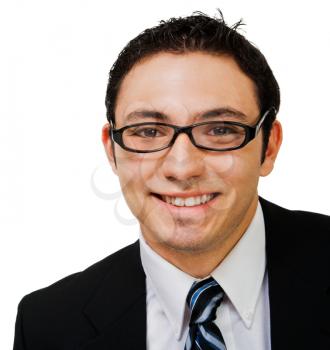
[193, 203]
[191, 108]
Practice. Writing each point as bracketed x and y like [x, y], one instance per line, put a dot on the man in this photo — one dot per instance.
[192, 106]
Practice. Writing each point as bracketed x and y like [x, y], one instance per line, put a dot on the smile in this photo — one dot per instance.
[187, 201]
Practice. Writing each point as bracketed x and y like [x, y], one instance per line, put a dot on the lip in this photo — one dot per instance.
[183, 194]
[193, 211]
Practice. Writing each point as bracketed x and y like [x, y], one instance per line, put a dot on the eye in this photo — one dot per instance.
[222, 131]
[147, 131]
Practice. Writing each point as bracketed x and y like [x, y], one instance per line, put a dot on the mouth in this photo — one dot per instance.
[184, 201]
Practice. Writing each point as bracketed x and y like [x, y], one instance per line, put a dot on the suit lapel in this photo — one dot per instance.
[117, 310]
[297, 287]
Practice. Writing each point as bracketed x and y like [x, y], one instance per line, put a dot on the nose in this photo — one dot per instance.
[183, 161]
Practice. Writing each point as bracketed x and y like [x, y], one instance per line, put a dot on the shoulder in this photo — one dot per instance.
[50, 316]
[297, 234]
[76, 289]
[305, 220]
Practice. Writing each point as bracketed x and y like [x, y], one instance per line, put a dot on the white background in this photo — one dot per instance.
[55, 57]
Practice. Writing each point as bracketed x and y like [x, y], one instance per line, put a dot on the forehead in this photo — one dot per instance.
[184, 85]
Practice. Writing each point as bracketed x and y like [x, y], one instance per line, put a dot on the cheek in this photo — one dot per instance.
[129, 163]
[236, 169]
[246, 174]
[134, 171]
[132, 186]
[224, 165]
[237, 175]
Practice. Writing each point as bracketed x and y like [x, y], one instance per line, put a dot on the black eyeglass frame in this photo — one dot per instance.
[250, 133]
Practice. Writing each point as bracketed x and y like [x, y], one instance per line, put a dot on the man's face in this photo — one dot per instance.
[183, 86]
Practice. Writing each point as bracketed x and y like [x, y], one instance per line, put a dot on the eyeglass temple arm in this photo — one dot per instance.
[112, 142]
[258, 126]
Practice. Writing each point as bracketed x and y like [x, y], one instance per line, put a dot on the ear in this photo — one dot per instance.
[109, 146]
[274, 144]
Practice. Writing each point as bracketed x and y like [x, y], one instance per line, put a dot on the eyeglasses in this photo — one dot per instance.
[214, 135]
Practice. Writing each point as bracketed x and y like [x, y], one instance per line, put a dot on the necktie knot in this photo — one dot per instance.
[203, 300]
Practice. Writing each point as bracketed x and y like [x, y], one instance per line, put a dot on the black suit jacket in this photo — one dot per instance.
[104, 307]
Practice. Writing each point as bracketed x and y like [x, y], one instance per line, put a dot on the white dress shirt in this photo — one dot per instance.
[242, 317]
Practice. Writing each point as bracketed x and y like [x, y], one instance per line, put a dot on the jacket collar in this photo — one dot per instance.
[117, 310]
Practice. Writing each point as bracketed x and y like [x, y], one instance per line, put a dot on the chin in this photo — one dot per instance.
[185, 242]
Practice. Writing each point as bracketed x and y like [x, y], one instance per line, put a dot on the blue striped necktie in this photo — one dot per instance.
[203, 300]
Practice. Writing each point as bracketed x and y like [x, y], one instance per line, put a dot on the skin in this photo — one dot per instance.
[195, 239]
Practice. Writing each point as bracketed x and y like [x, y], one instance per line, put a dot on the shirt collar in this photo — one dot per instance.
[170, 285]
[242, 270]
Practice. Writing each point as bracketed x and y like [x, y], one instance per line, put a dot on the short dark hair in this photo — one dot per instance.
[194, 33]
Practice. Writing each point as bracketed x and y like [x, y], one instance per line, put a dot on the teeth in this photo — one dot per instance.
[178, 201]
[188, 202]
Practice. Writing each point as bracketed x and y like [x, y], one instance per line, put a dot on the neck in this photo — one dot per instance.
[201, 263]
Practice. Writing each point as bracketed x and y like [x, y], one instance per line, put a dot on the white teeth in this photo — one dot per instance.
[178, 201]
[191, 201]
[188, 202]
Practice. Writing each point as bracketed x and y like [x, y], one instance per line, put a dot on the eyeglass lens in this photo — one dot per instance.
[216, 135]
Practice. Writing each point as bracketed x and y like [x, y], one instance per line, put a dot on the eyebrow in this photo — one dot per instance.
[160, 116]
